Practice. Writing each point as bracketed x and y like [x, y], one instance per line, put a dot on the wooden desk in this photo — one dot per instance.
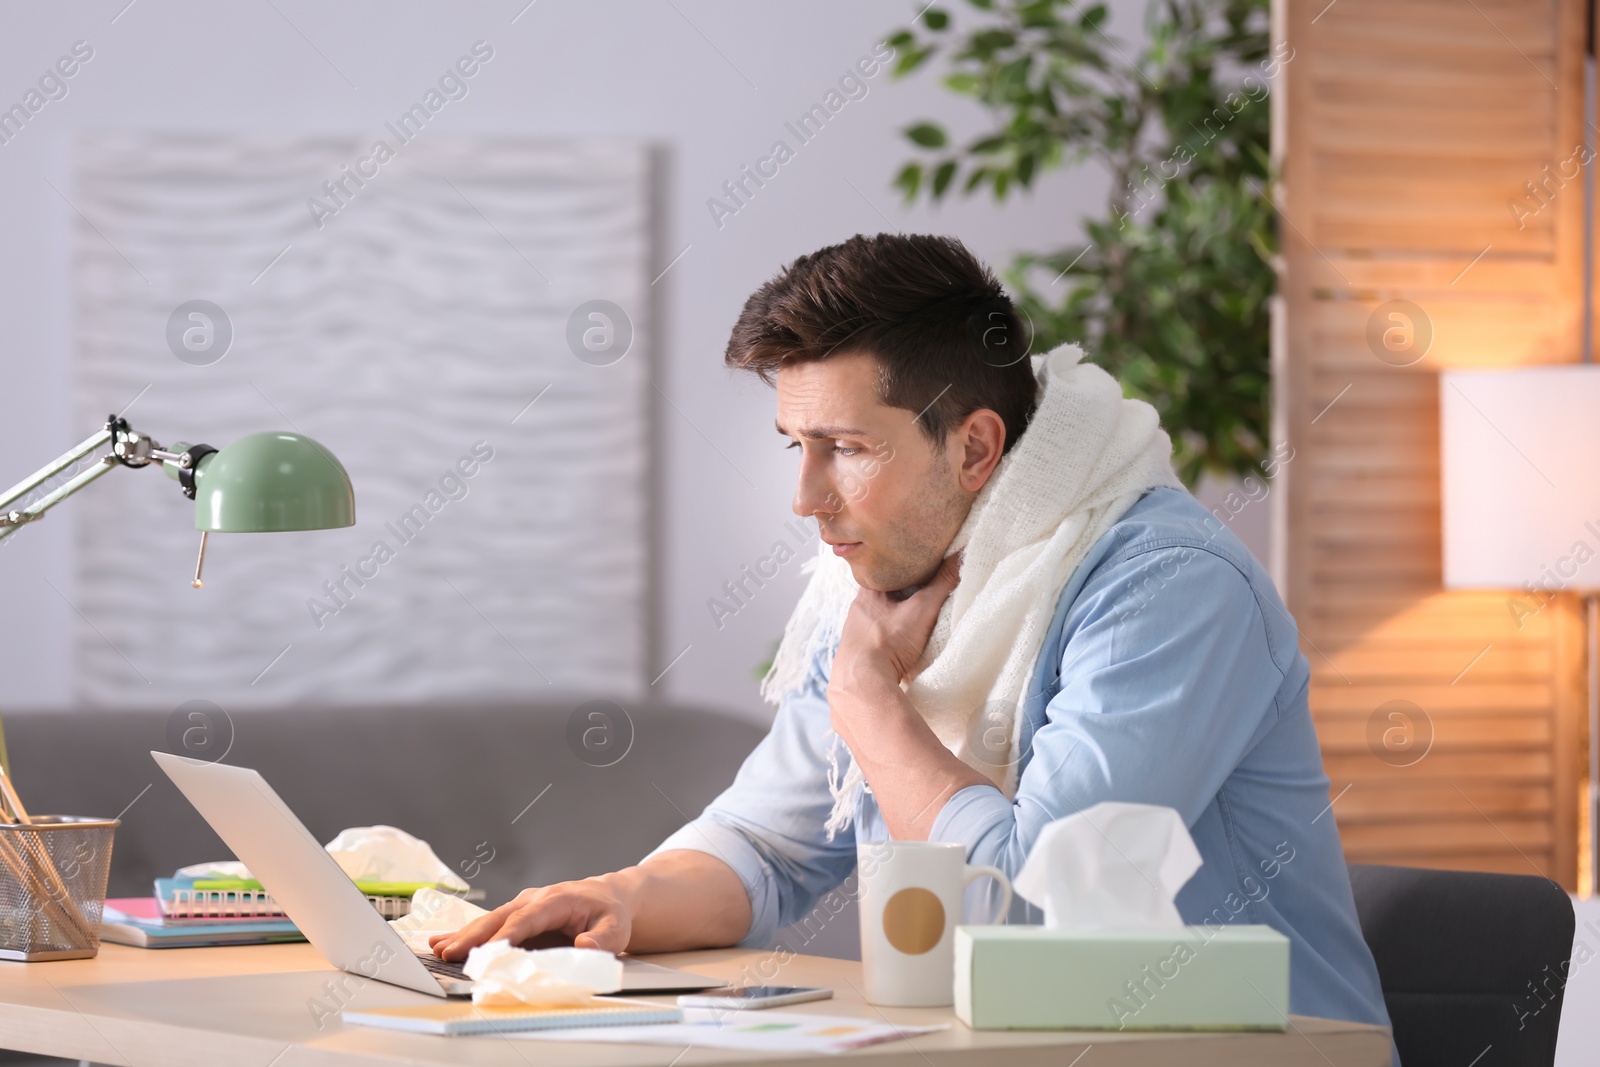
[249, 1007]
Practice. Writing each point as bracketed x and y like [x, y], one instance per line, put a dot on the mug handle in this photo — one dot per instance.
[971, 873]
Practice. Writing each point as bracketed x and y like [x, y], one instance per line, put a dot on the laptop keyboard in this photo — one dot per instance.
[443, 968]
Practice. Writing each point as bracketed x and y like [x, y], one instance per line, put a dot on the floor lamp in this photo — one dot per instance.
[1521, 504]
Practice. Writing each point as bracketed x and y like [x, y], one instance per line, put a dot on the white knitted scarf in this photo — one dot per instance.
[1087, 455]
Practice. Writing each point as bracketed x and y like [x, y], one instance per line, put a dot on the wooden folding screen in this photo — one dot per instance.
[1432, 169]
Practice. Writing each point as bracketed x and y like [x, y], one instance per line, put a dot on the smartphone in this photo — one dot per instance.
[752, 997]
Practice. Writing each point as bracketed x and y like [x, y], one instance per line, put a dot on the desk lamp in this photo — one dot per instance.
[263, 482]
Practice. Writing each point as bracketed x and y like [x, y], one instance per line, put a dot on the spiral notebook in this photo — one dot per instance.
[464, 1017]
[181, 900]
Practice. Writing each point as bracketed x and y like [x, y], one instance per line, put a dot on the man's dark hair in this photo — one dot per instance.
[942, 329]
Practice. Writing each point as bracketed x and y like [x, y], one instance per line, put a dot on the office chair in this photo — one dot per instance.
[1473, 965]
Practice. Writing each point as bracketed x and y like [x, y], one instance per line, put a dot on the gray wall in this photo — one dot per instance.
[712, 82]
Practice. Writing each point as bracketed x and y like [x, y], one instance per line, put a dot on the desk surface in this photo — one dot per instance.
[251, 1006]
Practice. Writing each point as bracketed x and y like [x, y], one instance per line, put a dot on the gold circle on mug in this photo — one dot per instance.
[913, 920]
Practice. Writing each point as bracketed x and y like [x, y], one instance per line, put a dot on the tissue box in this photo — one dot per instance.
[1189, 978]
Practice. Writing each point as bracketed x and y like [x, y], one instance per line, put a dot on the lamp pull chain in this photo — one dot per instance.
[201, 562]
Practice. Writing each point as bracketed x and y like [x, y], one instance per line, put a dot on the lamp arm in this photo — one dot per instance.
[129, 448]
[66, 459]
[14, 520]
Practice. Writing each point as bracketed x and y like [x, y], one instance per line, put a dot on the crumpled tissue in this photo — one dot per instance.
[366, 854]
[1113, 866]
[504, 975]
[433, 912]
[389, 854]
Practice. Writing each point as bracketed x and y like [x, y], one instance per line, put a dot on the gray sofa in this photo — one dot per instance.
[460, 778]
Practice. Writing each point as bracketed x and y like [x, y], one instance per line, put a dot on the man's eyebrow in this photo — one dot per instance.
[820, 433]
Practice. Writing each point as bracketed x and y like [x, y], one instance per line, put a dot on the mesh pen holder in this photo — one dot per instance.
[53, 877]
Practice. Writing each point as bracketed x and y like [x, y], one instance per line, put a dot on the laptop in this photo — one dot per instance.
[325, 904]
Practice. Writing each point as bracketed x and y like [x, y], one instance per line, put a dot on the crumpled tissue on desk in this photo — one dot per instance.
[505, 975]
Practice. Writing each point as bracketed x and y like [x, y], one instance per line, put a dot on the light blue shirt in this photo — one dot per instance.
[1171, 675]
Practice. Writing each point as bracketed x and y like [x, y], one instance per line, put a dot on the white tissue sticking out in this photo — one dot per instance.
[505, 975]
[1113, 866]
[389, 854]
[433, 912]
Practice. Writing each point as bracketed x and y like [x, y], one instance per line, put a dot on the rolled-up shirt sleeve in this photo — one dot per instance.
[768, 825]
[1167, 680]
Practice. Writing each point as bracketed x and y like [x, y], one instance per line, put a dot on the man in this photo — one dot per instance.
[1019, 612]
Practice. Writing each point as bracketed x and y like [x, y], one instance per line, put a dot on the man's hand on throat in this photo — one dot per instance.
[885, 634]
[910, 771]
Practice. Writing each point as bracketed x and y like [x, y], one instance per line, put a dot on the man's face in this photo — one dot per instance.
[887, 499]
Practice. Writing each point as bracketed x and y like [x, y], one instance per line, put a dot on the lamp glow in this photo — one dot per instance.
[1521, 498]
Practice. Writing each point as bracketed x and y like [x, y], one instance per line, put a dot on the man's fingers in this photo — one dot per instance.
[538, 917]
[484, 928]
[931, 597]
[549, 912]
[950, 570]
[568, 913]
[607, 933]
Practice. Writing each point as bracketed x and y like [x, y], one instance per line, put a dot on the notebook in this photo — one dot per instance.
[138, 921]
[464, 1017]
[148, 911]
[181, 899]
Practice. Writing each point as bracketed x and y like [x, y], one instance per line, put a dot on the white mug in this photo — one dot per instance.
[911, 897]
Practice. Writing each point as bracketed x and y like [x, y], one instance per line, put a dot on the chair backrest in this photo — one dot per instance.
[1473, 965]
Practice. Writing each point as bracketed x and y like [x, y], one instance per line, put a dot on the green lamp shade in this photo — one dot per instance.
[269, 482]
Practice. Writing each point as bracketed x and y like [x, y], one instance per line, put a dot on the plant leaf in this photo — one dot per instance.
[910, 60]
[909, 178]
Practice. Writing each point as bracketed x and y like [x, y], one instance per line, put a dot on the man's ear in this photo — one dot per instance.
[979, 440]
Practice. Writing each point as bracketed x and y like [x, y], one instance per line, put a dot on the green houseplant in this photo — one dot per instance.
[1171, 291]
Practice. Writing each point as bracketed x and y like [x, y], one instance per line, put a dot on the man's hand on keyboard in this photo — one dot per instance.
[675, 900]
[586, 913]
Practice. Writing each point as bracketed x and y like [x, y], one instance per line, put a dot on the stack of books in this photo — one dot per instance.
[142, 923]
[192, 912]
